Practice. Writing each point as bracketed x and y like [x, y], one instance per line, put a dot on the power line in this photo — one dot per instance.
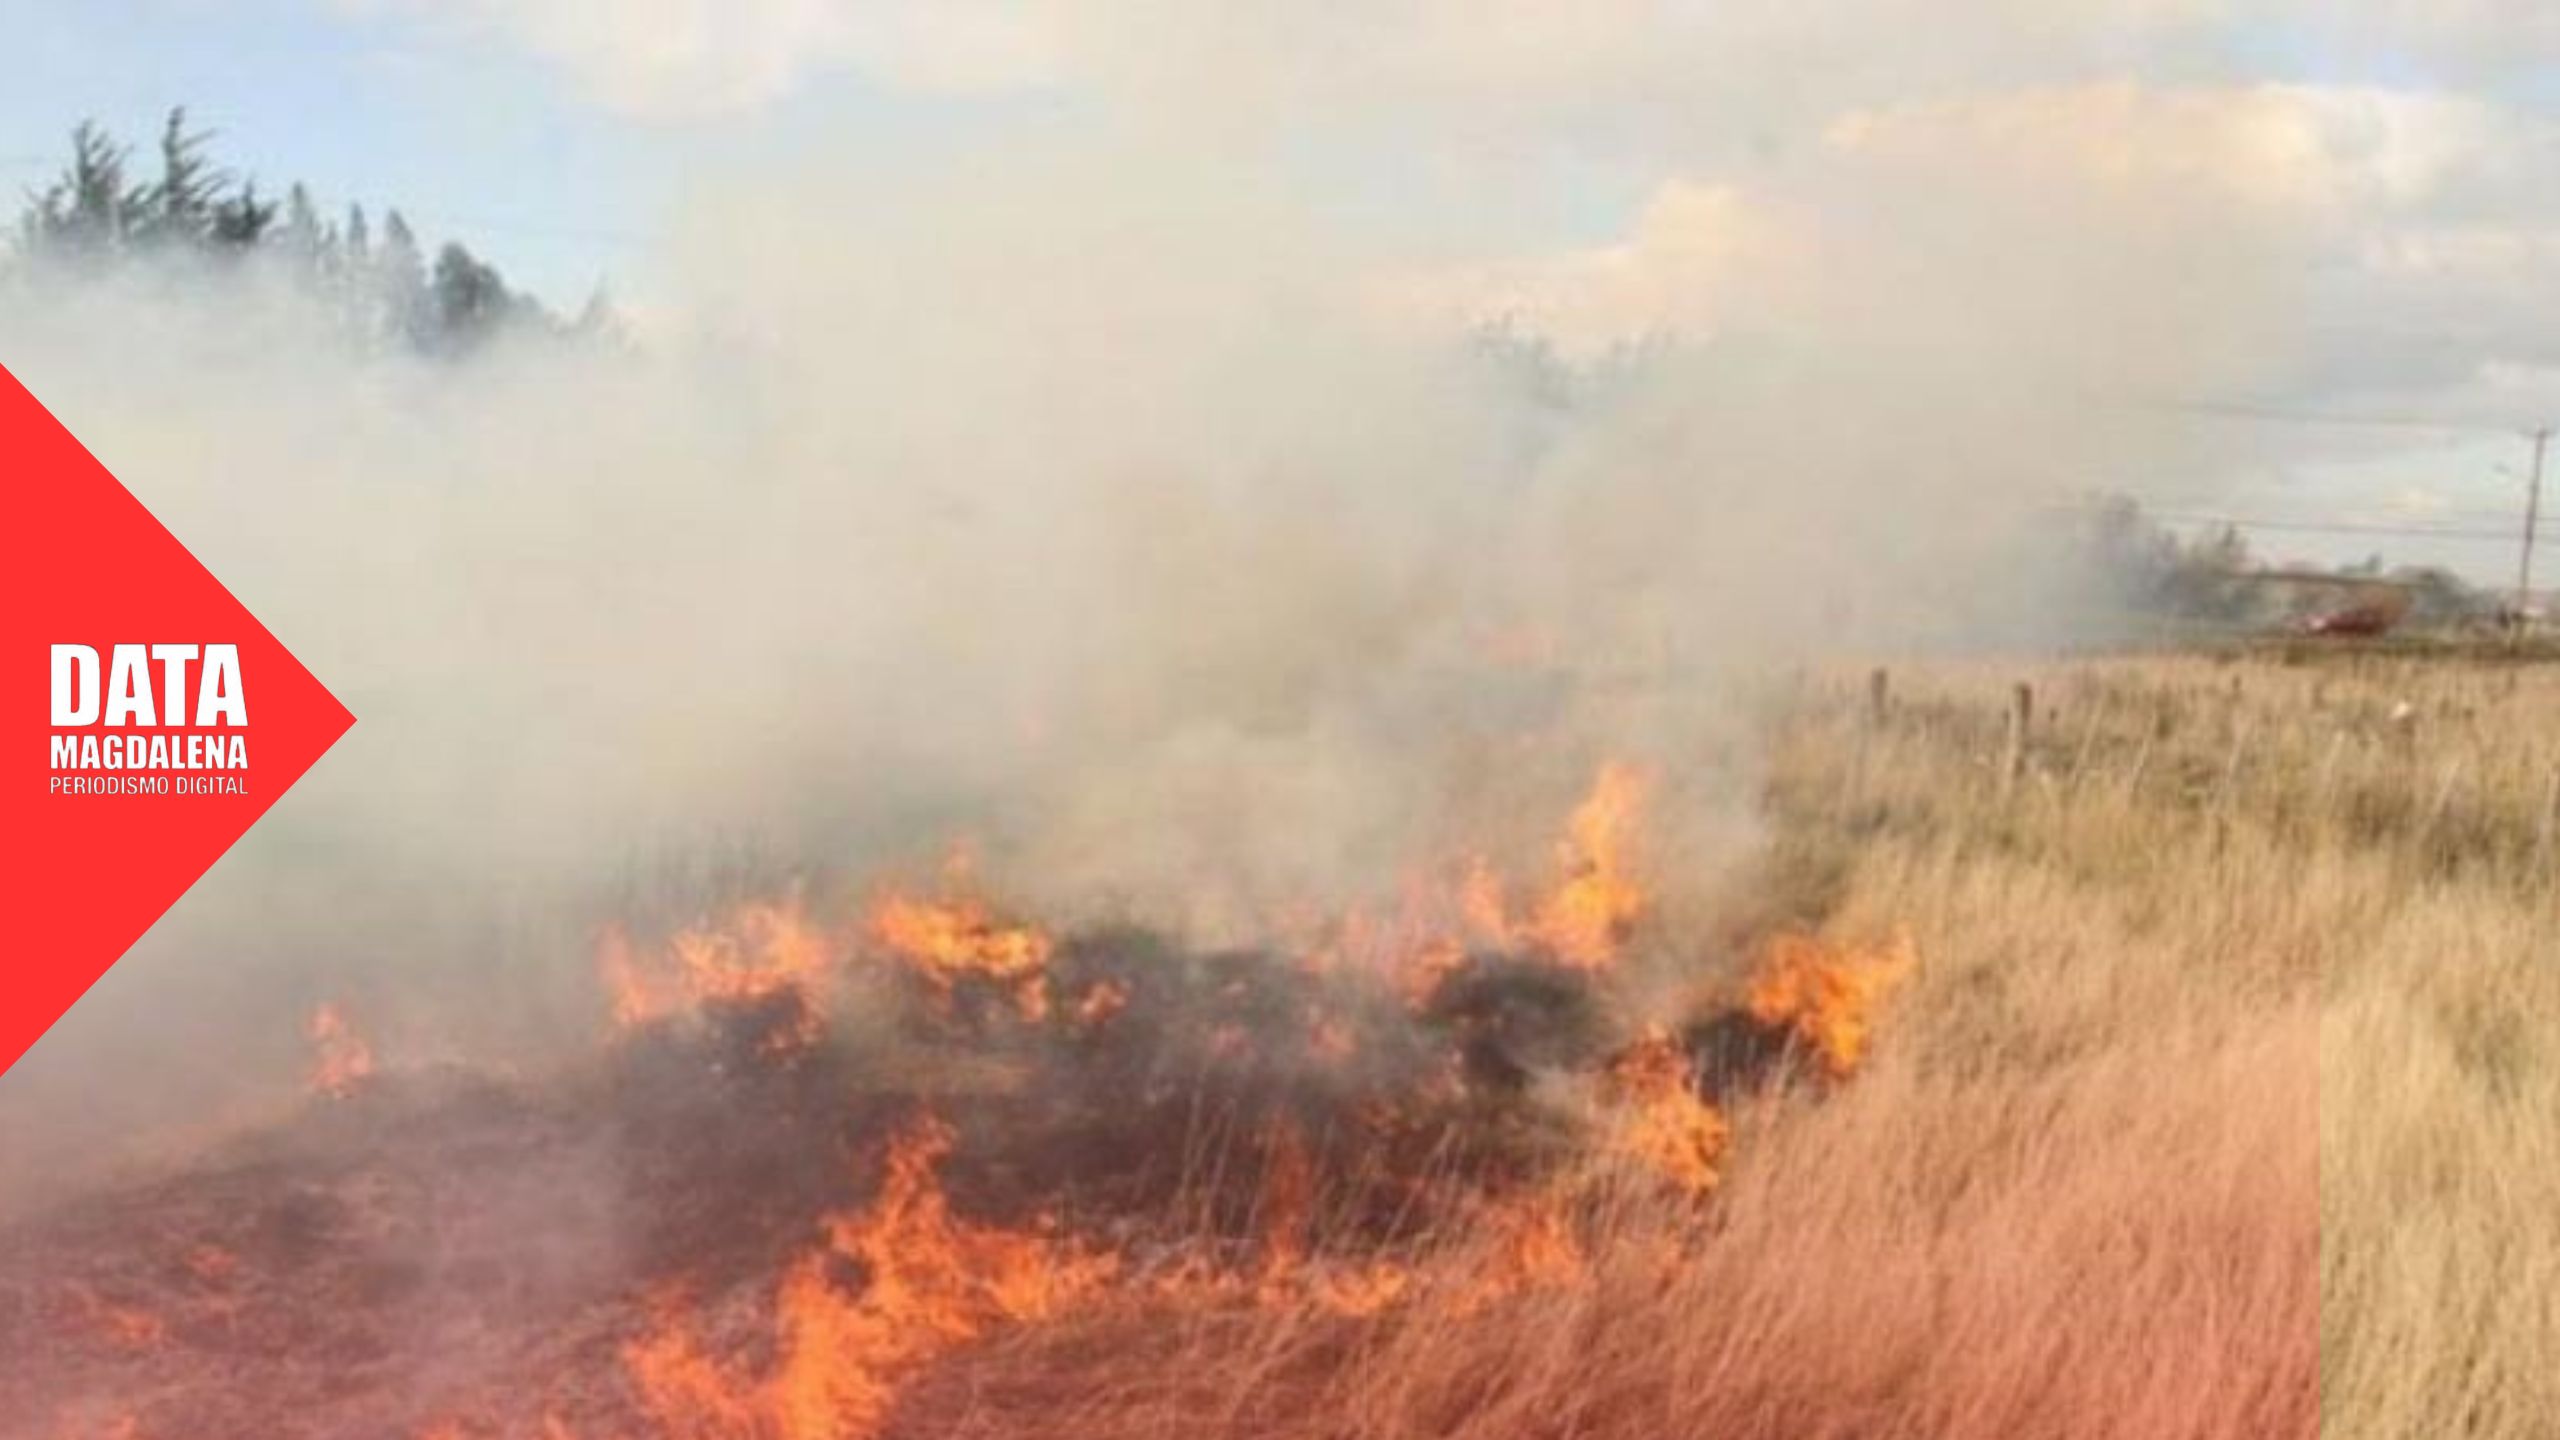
[2532, 513]
[2286, 415]
[2544, 529]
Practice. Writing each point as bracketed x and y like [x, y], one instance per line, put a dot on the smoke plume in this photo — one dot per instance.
[1126, 503]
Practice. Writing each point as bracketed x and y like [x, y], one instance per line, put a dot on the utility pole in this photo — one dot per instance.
[2532, 518]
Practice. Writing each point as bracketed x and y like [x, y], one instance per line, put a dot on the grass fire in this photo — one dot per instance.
[865, 1144]
[1283, 722]
[1952, 1108]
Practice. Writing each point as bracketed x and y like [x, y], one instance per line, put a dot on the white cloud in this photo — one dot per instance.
[1457, 61]
[2413, 238]
[2099, 221]
[693, 57]
[1684, 268]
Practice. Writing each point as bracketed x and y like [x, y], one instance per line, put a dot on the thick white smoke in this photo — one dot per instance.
[1116, 499]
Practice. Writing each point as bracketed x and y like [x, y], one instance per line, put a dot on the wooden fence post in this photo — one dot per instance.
[2549, 821]
[2022, 712]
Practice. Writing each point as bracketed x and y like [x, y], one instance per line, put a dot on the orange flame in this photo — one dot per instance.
[1589, 913]
[762, 951]
[341, 1059]
[688, 1391]
[636, 997]
[1587, 918]
[1288, 1272]
[1825, 995]
[928, 1282]
[1529, 1244]
[947, 942]
[1664, 1125]
[1100, 1001]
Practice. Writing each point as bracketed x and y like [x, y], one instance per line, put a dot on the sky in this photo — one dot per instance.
[1597, 172]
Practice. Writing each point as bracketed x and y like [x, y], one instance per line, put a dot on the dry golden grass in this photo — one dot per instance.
[2362, 845]
[2222, 1107]
[2228, 849]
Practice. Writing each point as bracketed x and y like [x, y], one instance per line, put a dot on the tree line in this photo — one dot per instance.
[103, 215]
[2213, 576]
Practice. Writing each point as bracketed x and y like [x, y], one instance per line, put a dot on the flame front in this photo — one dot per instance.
[1389, 1117]
[1826, 996]
[1587, 917]
[1525, 1242]
[765, 956]
[953, 942]
[1663, 1124]
[890, 1288]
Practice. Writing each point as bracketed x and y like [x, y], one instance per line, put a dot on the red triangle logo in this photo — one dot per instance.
[147, 718]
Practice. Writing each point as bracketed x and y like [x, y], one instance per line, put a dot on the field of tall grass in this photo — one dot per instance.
[2263, 886]
[2221, 1106]
[2218, 1104]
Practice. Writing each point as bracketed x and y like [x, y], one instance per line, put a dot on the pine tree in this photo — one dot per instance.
[90, 209]
[302, 239]
[378, 286]
[400, 284]
[240, 219]
[178, 209]
[471, 299]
